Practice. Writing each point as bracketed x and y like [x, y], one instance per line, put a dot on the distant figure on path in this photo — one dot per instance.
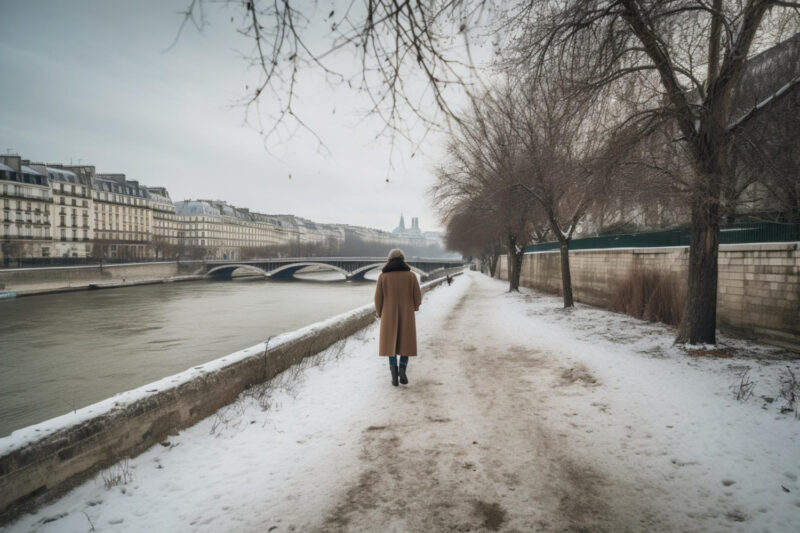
[397, 297]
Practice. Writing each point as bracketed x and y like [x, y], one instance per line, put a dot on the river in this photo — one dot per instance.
[60, 352]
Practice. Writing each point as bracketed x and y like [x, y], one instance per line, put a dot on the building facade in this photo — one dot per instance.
[223, 231]
[67, 211]
[166, 224]
[27, 201]
[72, 212]
[123, 218]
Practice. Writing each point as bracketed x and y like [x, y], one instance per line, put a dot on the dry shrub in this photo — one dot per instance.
[650, 295]
[119, 474]
[743, 387]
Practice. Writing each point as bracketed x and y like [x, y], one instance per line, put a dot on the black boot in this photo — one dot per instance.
[394, 375]
[403, 377]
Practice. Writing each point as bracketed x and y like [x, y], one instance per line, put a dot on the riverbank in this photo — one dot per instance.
[48, 280]
[38, 461]
[519, 416]
[67, 350]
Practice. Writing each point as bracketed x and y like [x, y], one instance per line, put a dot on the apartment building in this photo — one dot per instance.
[123, 217]
[27, 203]
[72, 212]
[166, 224]
[67, 211]
[223, 230]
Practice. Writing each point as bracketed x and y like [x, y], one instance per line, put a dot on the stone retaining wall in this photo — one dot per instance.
[759, 284]
[39, 462]
[46, 279]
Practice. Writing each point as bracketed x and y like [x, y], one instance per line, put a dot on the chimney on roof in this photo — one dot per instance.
[13, 161]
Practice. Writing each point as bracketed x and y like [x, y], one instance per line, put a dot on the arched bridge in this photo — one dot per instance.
[353, 268]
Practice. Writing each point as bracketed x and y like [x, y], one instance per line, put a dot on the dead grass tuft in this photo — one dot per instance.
[650, 295]
[119, 474]
[719, 353]
[743, 386]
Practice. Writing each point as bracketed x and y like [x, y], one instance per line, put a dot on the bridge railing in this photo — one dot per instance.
[332, 259]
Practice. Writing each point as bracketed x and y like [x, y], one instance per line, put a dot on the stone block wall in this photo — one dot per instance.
[759, 284]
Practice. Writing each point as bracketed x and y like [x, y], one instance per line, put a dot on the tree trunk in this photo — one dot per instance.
[493, 260]
[514, 264]
[566, 278]
[699, 322]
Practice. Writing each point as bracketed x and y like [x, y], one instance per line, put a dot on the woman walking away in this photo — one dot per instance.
[397, 297]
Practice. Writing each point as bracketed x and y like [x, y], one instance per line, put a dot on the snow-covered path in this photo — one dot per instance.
[520, 416]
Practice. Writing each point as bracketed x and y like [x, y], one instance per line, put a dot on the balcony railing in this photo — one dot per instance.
[28, 196]
[16, 237]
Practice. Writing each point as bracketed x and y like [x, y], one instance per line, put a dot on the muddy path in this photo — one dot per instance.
[467, 445]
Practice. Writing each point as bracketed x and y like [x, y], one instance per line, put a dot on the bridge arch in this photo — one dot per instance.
[226, 271]
[358, 274]
[288, 271]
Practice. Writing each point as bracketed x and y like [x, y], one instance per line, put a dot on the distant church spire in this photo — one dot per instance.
[413, 231]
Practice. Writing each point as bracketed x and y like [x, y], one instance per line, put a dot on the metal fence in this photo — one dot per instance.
[741, 233]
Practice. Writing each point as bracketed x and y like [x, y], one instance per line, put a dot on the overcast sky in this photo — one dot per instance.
[89, 81]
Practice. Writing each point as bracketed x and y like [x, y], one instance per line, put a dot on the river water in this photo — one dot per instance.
[60, 352]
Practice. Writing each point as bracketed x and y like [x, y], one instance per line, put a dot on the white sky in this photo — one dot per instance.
[88, 81]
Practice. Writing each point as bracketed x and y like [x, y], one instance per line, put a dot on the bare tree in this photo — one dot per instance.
[13, 250]
[481, 174]
[649, 189]
[408, 55]
[101, 250]
[680, 59]
[562, 158]
[162, 246]
[685, 58]
[474, 235]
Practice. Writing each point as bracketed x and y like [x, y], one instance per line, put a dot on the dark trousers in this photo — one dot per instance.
[393, 360]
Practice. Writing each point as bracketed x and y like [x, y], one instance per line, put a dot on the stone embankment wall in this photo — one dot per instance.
[39, 462]
[24, 281]
[759, 284]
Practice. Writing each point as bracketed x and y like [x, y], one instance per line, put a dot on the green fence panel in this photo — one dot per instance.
[741, 233]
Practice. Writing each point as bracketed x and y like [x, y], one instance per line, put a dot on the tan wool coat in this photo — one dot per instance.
[397, 297]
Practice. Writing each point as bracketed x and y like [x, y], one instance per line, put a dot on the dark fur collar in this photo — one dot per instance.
[396, 265]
